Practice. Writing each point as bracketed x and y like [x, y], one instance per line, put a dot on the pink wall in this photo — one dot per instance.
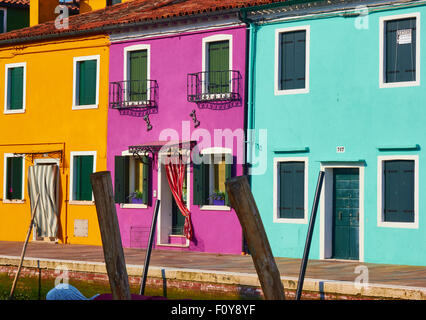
[172, 58]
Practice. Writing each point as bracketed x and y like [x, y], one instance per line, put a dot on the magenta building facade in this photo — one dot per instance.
[184, 83]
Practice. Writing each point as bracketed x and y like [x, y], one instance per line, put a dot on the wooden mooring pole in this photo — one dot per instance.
[243, 202]
[110, 234]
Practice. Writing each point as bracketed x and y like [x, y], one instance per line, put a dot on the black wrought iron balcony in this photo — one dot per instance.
[132, 94]
[208, 86]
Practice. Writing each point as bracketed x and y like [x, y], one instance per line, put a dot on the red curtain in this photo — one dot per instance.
[175, 175]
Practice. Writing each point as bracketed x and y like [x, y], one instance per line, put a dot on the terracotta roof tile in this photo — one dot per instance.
[130, 12]
[25, 3]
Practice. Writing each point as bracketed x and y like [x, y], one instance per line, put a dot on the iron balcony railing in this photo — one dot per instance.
[213, 86]
[133, 94]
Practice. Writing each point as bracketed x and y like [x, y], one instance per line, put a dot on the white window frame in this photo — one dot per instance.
[276, 191]
[277, 64]
[72, 155]
[11, 155]
[126, 153]
[75, 82]
[204, 59]
[382, 21]
[126, 64]
[381, 190]
[228, 159]
[6, 87]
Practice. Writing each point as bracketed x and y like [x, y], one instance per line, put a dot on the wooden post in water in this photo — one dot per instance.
[110, 234]
[243, 202]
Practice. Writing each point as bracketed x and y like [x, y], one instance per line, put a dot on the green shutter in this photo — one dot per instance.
[121, 179]
[218, 67]
[293, 60]
[399, 191]
[1, 21]
[400, 60]
[82, 187]
[292, 188]
[87, 71]
[146, 180]
[138, 61]
[228, 175]
[14, 178]
[16, 88]
[199, 183]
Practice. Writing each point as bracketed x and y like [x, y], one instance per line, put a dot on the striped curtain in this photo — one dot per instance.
[43, 179]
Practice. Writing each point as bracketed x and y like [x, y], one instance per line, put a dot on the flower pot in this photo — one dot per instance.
[217, 202]
[137, 201]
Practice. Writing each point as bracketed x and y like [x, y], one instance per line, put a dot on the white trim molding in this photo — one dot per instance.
[5, 200]
[380, 192]
[277, 61]
[6, 87]
[72, 155]
[326, 208]
[75, 82]
[276, 191]
[382, 21]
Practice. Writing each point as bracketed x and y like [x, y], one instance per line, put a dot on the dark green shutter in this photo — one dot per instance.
[400, 60]
[83, 168]
[399, 191]
[146, 180]
[16, 88]
[218, 67]
[87, 71]
[138, 61]
[228, 175]
[200, 182]
[14, 178]
[121, 179]
[293, 60]
[292, 189]
[1, 21]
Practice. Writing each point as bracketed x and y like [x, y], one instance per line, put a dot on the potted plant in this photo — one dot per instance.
[218, 198]
[136, 197]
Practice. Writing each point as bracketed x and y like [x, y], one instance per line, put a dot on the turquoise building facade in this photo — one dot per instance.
[340, 88]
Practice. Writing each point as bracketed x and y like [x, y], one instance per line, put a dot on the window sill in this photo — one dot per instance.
[399, 84]
[81, 203]
[215, 208]
[291, 91]
[173, 245]
[133, 206]
[83, 107]
[400, 225]
[14, 111]
[13, 201]
[291, 220]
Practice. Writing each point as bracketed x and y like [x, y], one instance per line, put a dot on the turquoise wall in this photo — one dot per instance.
[344, 107]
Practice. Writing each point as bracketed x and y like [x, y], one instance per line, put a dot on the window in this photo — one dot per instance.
[112, 2]
[136, 72]
[131, 180]
[15, 88]
[398, 190]
[290, 190]
[13, 186]
[86, 82]
[3, 20]
[217, 64]
[292, 60]
[83, 164]
[209, 180]
[399, 50]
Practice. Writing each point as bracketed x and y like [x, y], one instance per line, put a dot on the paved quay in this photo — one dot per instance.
[325, 277]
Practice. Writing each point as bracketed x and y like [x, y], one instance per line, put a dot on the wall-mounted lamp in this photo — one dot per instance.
[148, 124]
[194, 119]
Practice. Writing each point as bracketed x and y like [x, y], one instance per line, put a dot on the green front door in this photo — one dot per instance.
[346, 213]
[178, 220]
